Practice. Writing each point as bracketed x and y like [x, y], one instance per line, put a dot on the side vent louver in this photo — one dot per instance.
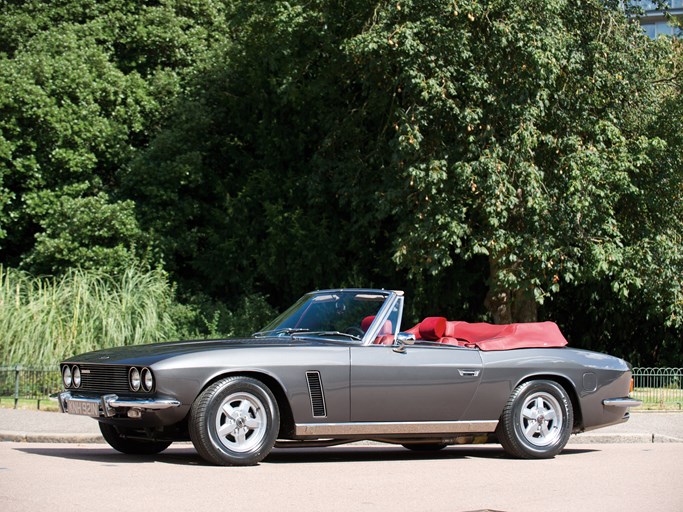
[315, 390]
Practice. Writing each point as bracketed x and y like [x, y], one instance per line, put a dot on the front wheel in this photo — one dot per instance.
[537, 420]
[117, 439]
[234, 422]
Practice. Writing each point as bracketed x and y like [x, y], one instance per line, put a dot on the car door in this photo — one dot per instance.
[426, 382]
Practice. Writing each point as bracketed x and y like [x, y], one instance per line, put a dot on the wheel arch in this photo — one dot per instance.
[568, 387]
[275, 386]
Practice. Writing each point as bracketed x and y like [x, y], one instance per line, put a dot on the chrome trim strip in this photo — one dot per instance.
[392, 428]
[142, 403]
[621, 402]
[109, 402]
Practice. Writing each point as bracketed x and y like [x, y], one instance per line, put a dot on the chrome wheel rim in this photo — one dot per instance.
[241, 422]
[541, 419]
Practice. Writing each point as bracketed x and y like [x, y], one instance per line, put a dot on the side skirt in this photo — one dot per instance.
[418, 428]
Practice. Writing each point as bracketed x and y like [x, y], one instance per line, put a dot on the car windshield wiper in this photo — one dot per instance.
[333, 333]
[287, 331]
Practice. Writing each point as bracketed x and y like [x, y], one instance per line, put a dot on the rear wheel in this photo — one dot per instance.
[117, 439]
[234, 422]
[537, 420]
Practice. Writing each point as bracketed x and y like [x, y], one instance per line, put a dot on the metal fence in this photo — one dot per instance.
[19, 382]
[658, 388]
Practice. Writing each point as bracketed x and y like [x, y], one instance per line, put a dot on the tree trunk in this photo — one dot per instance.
[524, 306]
[498, 304]
[509, 306]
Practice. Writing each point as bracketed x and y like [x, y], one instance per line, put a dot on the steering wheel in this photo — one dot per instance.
[356, 331]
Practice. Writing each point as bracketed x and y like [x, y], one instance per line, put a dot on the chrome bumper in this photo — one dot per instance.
[621, 402]
[107, 404]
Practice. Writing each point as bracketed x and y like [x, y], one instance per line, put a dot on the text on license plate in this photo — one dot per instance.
[82, 407]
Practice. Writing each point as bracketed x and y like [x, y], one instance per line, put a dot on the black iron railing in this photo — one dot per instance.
[20, 382]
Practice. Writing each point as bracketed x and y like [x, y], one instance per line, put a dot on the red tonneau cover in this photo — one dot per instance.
[489, 336]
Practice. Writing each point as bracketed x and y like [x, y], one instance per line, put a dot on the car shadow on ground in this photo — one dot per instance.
[390, 453]
[185, 455]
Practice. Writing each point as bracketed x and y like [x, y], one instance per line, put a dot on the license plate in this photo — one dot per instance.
[83, 408]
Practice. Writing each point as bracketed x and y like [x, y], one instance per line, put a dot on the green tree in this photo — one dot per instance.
[84, 85]
[66, 123]
[89, 232]
[498, 160]
[518, 131]
[437, 133]
[638, 312]
[232, 186]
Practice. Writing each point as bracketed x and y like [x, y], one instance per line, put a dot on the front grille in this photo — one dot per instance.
[101, 378]
[104, 378]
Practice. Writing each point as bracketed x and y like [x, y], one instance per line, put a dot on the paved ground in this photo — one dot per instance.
[360, 478]
[625, 471]
[54, 427]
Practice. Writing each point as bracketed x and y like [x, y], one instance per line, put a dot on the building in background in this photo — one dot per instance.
[654, 20]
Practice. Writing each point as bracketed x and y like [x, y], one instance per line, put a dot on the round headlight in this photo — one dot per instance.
[147, 380]
[66, 377]
[76, 376]
[134, 379]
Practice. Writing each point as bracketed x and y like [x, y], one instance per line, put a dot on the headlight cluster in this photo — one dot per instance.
[71, 376]
[140, 379]
[108, 378]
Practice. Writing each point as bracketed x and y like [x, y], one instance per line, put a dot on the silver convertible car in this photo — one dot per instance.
[335, 368]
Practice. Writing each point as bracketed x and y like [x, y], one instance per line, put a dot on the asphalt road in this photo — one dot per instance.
[632, 466]
[607, 477]
[41, 426]
[52, 461]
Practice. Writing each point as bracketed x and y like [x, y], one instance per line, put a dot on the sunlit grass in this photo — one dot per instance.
[44, 404]
[659, 399]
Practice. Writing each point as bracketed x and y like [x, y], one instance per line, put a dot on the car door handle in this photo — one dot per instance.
[469, 373]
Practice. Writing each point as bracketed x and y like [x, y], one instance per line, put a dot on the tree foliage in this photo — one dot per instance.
[517, 135]
[83, 86]
[502, 161]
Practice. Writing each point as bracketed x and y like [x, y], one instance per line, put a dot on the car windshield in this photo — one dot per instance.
[344, 314]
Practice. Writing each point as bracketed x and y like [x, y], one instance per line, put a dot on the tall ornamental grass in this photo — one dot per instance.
[45, 319]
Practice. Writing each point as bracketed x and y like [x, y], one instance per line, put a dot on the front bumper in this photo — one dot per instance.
[109, 405]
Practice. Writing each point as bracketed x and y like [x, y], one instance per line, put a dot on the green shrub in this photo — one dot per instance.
[44, 319]
[202, 317]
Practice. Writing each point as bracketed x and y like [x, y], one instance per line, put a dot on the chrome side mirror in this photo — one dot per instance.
[407, 338]
[402, 340]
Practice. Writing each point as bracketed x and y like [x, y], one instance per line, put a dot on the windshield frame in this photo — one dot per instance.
[392, 298]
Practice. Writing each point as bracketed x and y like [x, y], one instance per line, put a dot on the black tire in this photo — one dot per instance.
[120, 443]
[234, 422]
[537, 420]
[425, 447]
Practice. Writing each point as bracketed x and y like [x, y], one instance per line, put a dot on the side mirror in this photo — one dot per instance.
[406, 338]
[402, 340]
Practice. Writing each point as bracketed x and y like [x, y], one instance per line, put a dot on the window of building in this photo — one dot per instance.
[661, 28]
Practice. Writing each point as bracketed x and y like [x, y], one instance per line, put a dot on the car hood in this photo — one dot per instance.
[149, 354]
